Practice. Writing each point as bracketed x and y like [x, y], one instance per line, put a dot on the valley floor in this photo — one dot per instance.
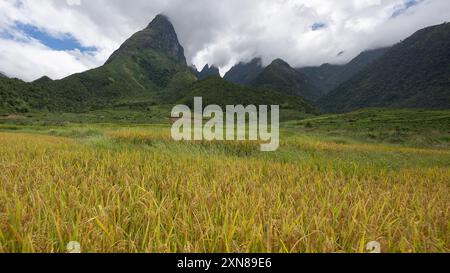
[118, 188]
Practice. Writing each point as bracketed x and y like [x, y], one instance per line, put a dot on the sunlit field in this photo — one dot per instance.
[123, 189]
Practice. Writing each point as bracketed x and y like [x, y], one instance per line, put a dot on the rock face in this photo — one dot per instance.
[244, 73]
[208, 71]
[159, 35]
[281, 77]
[412, 74]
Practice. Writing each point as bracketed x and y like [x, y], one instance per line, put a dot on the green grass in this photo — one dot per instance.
[418, 128]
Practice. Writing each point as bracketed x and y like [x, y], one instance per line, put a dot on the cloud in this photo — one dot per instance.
[31, 60]
[303, 32]
[73, 2]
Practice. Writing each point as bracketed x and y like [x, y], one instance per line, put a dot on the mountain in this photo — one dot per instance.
[413, 74]
[43, 79]
[148, 64]
[2, 75]
[208, 71]
[159, 36]
[245, 73]
[322, 79]
[13, 96]
[281, 77]
[327, 76]
[148, 69]
[216, 90]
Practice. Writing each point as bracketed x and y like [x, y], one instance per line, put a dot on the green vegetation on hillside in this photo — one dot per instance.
[13, 96]
[327, 77]
[207, 71]
[281, 77]
[418, 128]
[215, 90]
[245, 73]
[412, 74]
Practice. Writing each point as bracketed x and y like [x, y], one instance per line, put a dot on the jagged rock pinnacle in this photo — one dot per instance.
[159, 35]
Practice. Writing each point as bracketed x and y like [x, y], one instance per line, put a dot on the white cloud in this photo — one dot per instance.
[31, 60]
[212, 31]
[73, 2]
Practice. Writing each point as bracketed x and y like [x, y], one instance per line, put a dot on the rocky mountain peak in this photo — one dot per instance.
[208, 71]
[245, 73]
[159, 35]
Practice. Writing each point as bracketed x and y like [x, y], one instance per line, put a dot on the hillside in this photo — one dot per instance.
[413, 74]
[150, 62]
[215, 90]
[159, 36]
[328, 77]
[411, 127]
[281, 77]
[12, 96]
[244, 73]
[322, 79]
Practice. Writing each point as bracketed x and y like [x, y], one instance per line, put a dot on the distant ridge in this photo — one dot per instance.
[278, 76]
[208, 71]
[281, 77]
[412, 74]
[43, 79]
[328, 77]
[215, 90]
[245, 73]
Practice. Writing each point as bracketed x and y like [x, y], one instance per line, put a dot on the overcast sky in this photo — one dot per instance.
[60, 37]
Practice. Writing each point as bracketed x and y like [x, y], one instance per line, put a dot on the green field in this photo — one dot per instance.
[119, 183]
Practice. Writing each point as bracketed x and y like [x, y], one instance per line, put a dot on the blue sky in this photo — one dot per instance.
[401, 9]
[318, 26]
[61, 43]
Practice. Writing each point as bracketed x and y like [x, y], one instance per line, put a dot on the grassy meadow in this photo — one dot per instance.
[335, 184]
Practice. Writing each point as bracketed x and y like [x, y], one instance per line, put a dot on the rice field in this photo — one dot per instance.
[136, 190]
